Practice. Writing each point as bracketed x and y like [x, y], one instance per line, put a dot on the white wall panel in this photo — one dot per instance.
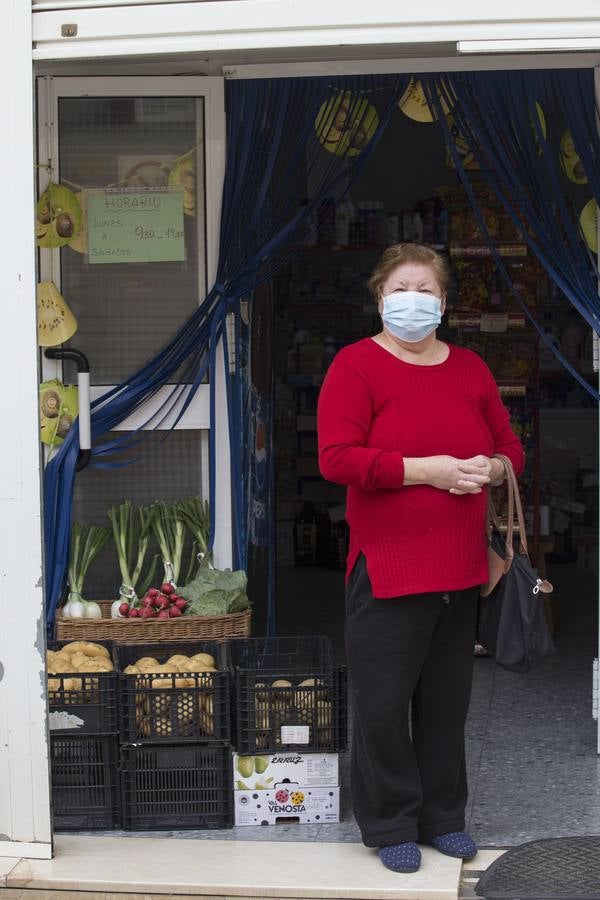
[24, 779]
[180, 27]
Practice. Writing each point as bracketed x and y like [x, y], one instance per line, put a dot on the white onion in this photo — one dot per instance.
[114, 610]
[76, 609]
[92, 610]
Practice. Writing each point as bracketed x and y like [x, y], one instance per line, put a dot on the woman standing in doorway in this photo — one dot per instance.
[411, 425]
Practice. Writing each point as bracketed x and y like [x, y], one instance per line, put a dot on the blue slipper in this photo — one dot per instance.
[401, 857]
[457, 844]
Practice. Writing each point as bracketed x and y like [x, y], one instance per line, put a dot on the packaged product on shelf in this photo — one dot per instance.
[572, 341]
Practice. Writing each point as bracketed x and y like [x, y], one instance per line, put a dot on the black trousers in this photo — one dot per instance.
[408, 656]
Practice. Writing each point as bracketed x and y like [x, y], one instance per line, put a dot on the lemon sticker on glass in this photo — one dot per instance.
[588, 220]
[346, 123]
[570, 160]
[415, 105]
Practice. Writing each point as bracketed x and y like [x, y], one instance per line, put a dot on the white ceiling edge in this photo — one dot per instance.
[308, 62]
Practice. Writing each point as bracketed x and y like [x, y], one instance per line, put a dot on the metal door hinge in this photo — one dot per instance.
[230, 325]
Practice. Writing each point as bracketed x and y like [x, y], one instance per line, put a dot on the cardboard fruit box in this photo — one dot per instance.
[287, 802]
[259, 773]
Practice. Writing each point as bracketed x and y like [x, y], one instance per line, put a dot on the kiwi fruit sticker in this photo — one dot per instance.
[570, 160]
[56, 322]
[346, 123]
[57, 217]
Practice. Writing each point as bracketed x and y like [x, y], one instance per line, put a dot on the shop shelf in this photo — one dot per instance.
[185, 786]
[307, 712]
[179, 707]
[85, 782]
[82, 703]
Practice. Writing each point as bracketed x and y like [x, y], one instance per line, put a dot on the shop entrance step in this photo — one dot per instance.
[106, 868]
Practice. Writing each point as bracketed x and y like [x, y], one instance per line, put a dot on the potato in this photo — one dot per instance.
[163, 727]
[98, 665]
[61, 665]
[262, 722]
[146, 661]
[88, 647]
[283, 696]
[157, 669]
[259, 692]
[324, 722]
[80, 658]
[312, 690]
[131, 670]
[72, 684]
[53, 687]
[50, 654]
[197, 667]
[178, 660]
[204, 659]
[207, 721]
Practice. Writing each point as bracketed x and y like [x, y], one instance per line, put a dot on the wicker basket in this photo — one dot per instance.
[144, 631]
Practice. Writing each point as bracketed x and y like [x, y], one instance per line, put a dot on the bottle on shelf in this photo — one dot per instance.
[572, 341]
[311, 233]
[548, 360]
[305, 543]
[342, 224]
[329, 351]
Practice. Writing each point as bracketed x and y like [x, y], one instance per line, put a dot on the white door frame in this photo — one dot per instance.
[198, 414]
[596, 667]
[25, 828]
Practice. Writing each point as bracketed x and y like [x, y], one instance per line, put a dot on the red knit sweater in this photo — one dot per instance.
[374, 410]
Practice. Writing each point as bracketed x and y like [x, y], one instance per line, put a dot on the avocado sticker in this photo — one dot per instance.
[58, 217]
[570, 160]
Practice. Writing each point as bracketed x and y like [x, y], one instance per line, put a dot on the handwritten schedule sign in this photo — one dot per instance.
[135, 226]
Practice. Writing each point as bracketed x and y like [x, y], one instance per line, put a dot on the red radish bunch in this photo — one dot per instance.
[156, 604]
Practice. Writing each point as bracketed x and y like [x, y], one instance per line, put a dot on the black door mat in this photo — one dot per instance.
[552, 869]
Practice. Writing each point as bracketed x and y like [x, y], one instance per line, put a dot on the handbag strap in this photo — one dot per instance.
[514, 504]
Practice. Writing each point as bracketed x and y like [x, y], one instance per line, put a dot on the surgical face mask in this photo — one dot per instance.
[411, 316]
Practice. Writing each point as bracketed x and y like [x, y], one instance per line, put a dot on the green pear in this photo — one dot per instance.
[240, 786]
[245, 766]
[261, 763]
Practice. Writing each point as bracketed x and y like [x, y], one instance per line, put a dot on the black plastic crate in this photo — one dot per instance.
[177, 786]
[82, 702]
[179, 707]
[85, 782]
[290, 695]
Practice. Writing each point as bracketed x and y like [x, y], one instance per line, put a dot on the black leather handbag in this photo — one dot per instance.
[512, 622]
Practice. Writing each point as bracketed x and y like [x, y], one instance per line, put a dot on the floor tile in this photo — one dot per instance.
[483, 860]
[7, 864]
[223, 869]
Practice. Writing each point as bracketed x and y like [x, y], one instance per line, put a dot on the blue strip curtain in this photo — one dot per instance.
[514, 124]
[281, 133]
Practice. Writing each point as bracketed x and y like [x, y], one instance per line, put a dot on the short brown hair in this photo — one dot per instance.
[397, 254]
